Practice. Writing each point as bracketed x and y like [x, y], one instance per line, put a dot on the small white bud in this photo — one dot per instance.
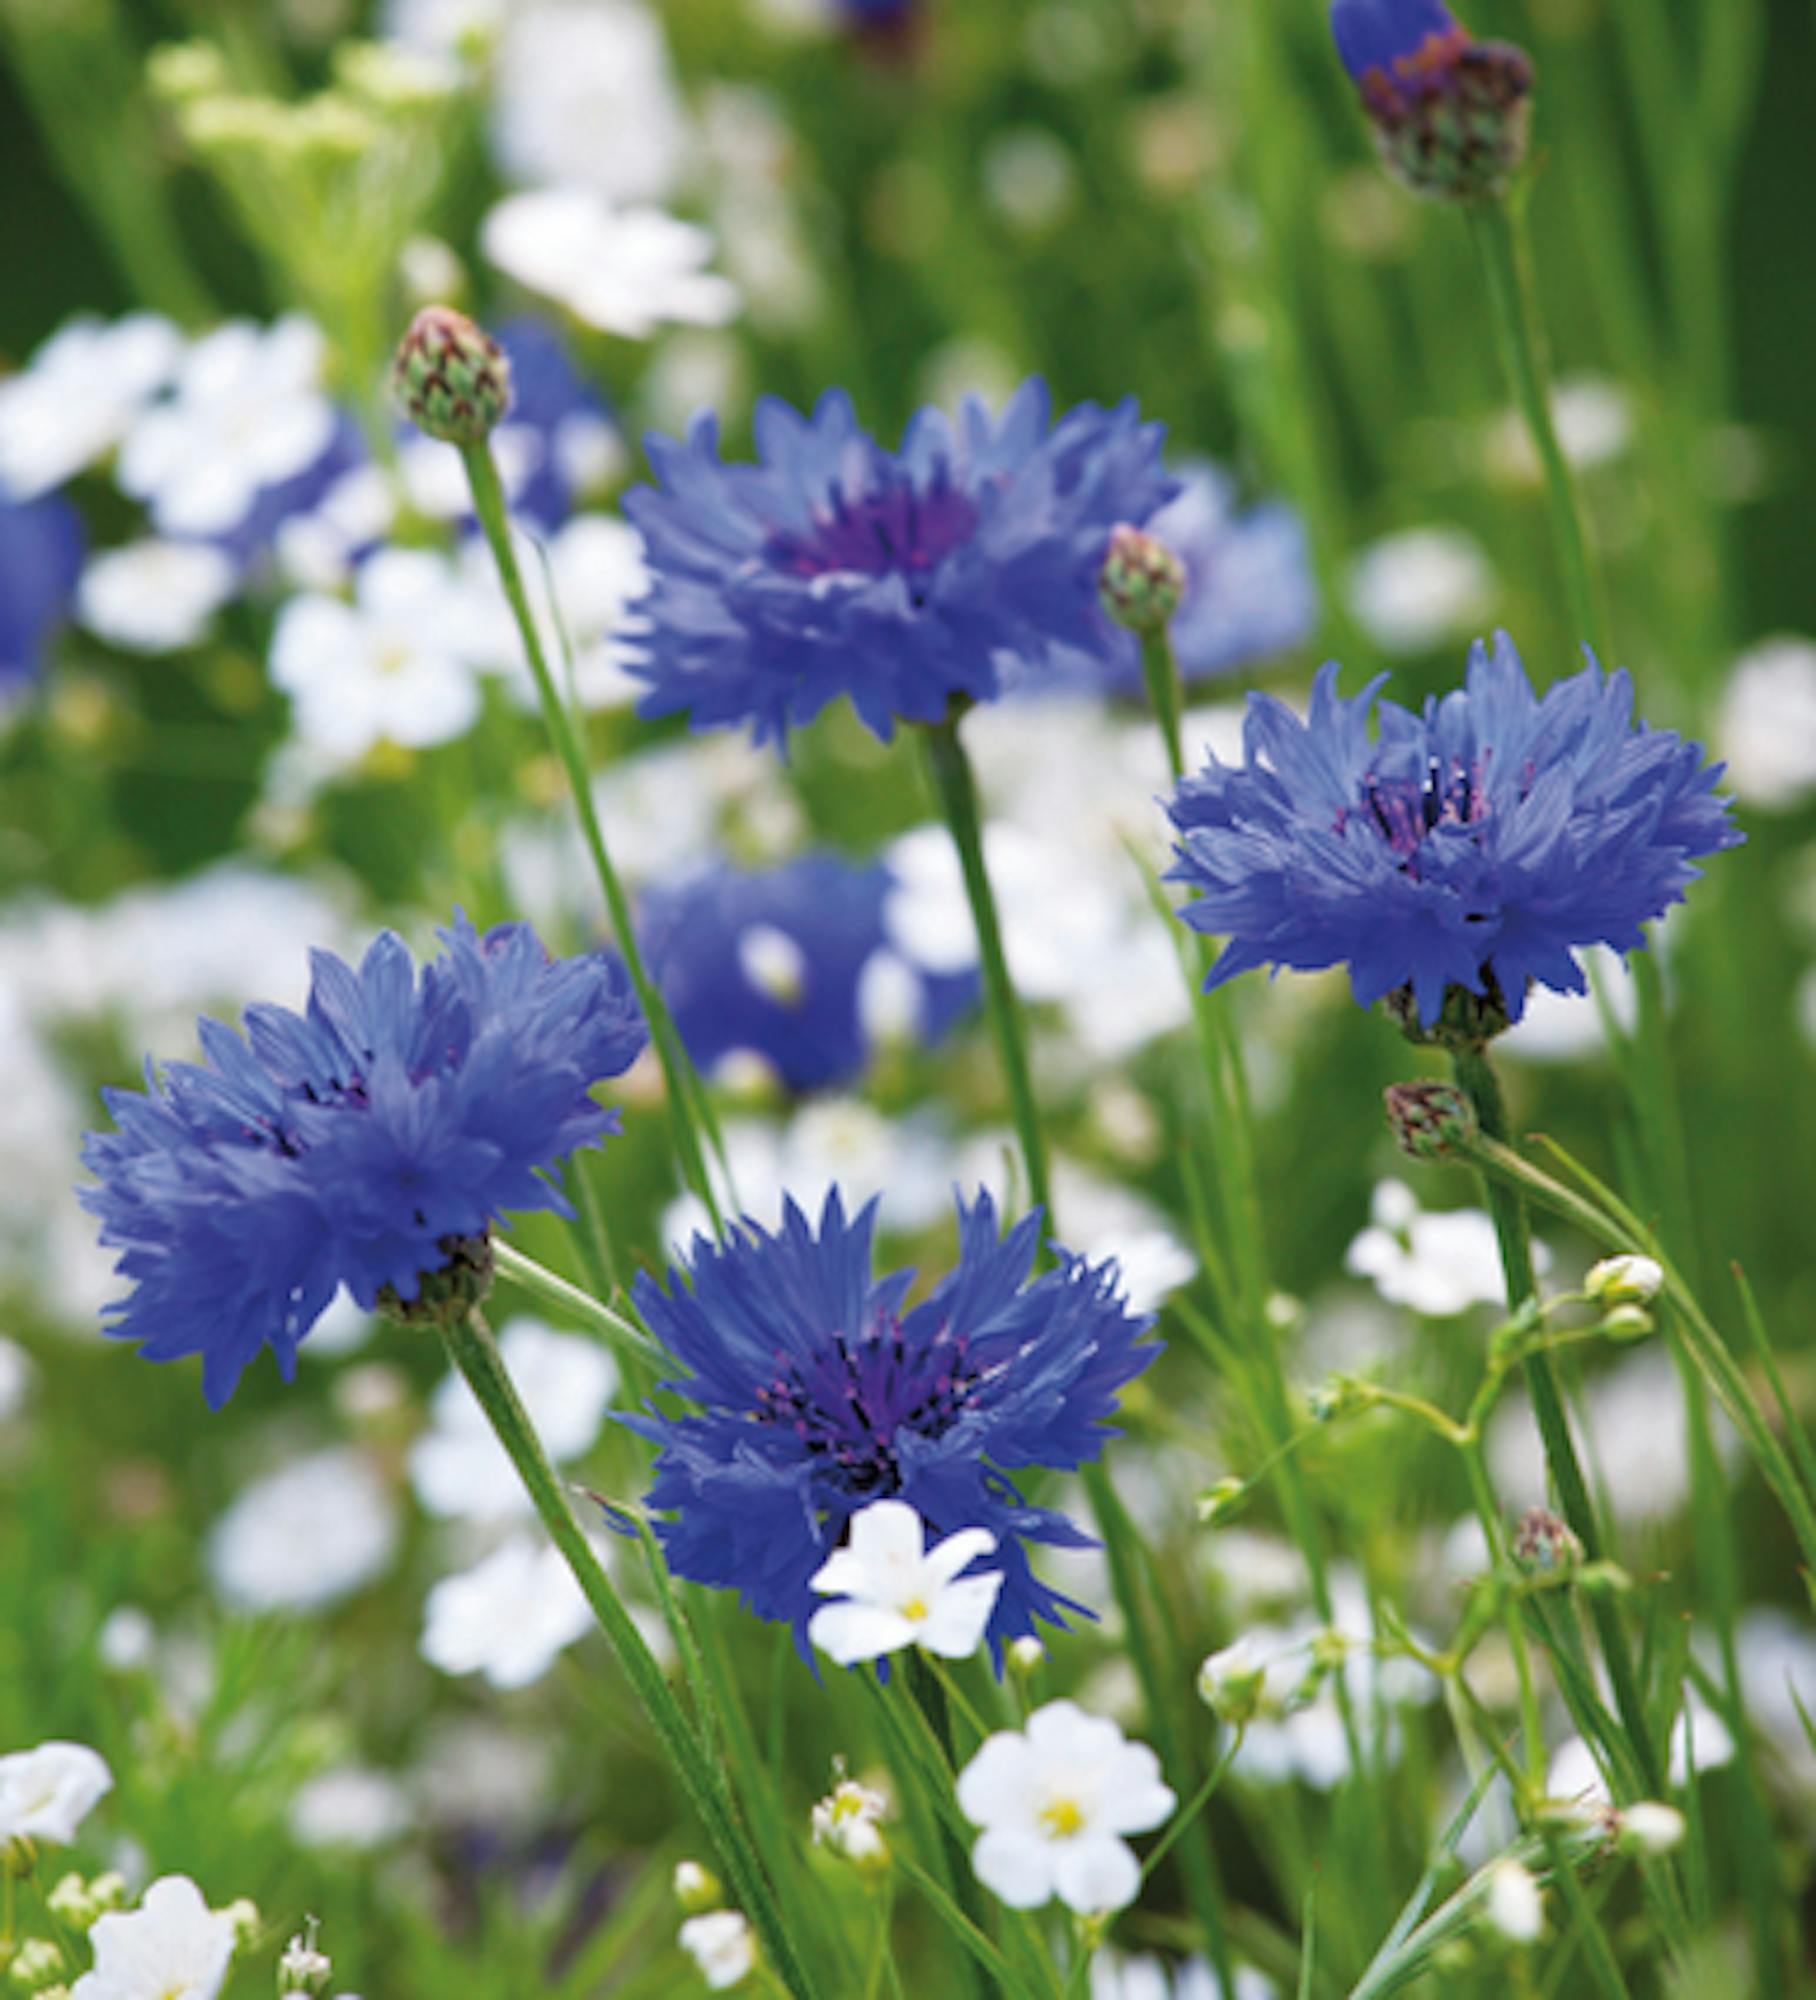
[1230, 1683]
[1025, 1654]
[696, 1888]
[1515, 1905]
[1626, 1280]
[1650, 1828]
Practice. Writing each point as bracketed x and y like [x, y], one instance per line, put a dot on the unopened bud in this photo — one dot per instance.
[1025, 1655]
[1514, 1905]
[1624, 1280]
[1651, 1829]
[1450, 114]
[1339, 1397]
[1141, 581]
[108, 1892]
[1628, 1323]
[241, 1916]
[696, 1888]
[37, 1964]
[1216, 1501]
[1545, 1546]
[1230, 1683]
[1431, 1121]
[451, 377]
[72, 1902]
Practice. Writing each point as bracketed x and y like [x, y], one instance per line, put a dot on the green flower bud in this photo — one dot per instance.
[1545, 1546]
[1628, 1323]
[37, 1965]
[1217, 1500]
[696, 1888]
[1141, 581]
[451, 377]
[1430, 1121]
[1231, 1683]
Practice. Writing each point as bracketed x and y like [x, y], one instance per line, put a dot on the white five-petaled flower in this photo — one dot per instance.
[79, 397]
[1054, 1802]
[155, 596]
[509, 1617]
[46, 1793]
[893, 1591]
[720, 1943]
[172, 1947]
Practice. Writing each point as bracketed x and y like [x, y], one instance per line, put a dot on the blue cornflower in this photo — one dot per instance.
[1450, 113]
[1478, 844]
[359, 1144]
[903, 579]
[41, 546]
[775, 962]
[818, 1391]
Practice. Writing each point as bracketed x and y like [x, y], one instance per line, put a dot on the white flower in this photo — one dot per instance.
[1438, 1262]
[1651, 1829]
[79, 397]
[172, 1947]
[319, 548]
[304, 1536]
[895, 1592]
[1513, 1904]
[1114, 1977]
[46, 1793]
[1767, 726]
[399, 663]
[458, 1467]
[246, 412]
[1624, 1280]
[1413, 592]
[350, 1808]
[628, 271]
[154, 596]
[721, 1944]
[1054, 1801]
[509, 1618]
[849, 1821]
[585, 96]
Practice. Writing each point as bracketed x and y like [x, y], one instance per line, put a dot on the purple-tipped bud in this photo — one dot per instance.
[1431, 1121]
[451, 377]
[1141, 581]
[1450, 114]
[1544, 1546]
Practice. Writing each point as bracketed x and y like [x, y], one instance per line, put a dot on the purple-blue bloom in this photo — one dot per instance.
[902, 579]
[41, 548]
[1384, 34]
[817, 1390]
[348, 1145]
[1479, 843]
[774, 961]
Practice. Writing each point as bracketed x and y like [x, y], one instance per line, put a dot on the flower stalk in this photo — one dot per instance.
[474, 1353]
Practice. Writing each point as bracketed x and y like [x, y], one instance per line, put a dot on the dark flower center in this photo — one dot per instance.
[894, 526]
[1405, 810]
[849, 1402]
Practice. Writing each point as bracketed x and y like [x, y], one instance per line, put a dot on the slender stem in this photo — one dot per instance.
[1478, 1082]
[535, 1277]
[683, 1086]
[1193, 1806]
[928, 1688]
[1160, 669]
[1506, 269]
[473, 1351]
[957, 790]
[1489, 1514]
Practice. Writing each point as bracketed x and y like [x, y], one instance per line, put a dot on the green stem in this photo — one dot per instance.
[535, 1277]
[473, 1351]
[1489, 1513]
[1478, 1082]
[1499, 238]
[956, 788]
[1160, 669]
[929, 1693]
[683, 1086]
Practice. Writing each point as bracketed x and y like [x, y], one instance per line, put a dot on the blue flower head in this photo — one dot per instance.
[774, 962]
[348, 1145]
[902, 579]
[41, 546]
[1478, 844]
[818, 1390]
[1450, 113]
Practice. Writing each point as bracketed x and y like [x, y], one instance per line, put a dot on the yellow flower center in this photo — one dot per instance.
[915, 1610]
[1062, 1818]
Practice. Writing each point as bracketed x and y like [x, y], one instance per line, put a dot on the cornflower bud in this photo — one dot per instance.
[451, 377]
[1451, 115]
[1430, 1121]
[1545, 1546]
[1141, 581]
